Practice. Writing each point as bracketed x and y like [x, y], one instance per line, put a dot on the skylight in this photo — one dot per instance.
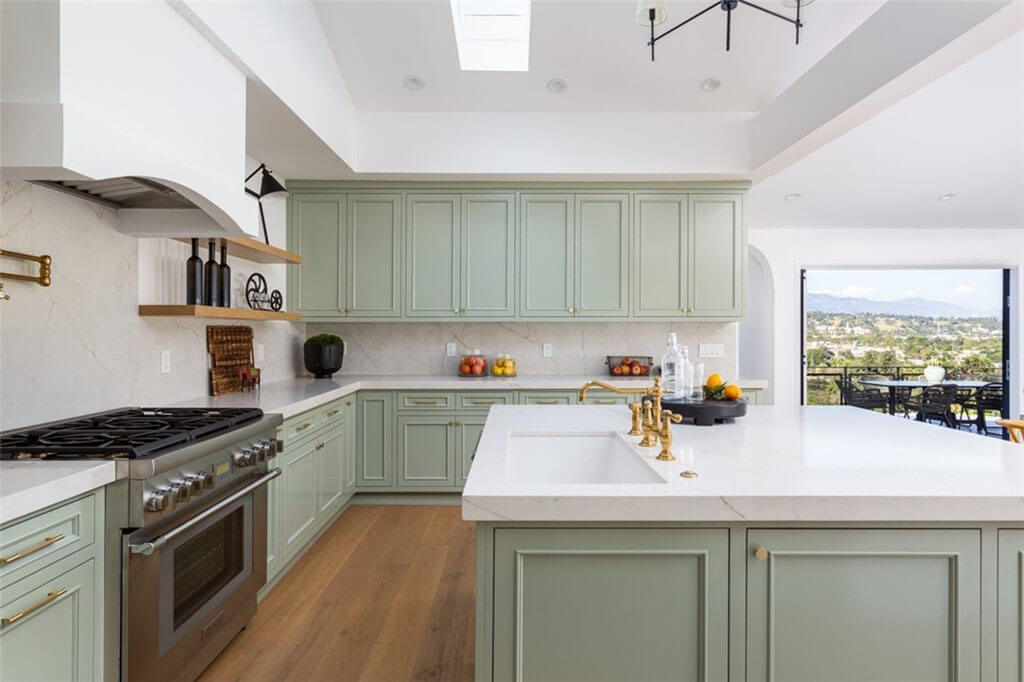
[492, 35]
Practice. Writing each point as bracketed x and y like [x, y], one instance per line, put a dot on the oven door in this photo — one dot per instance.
[189, 588]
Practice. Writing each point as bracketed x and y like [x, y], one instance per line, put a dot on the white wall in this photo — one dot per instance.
[79, 345]
[789, 250]
[757, 330]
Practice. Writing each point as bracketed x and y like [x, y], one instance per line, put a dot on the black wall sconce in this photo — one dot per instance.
[268, 185]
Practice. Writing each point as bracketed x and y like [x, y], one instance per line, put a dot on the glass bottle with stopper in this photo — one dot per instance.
[674, 364]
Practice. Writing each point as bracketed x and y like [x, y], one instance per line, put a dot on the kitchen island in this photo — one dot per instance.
[813, 544]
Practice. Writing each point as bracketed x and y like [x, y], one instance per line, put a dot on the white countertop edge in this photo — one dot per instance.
[762, 509]
[28, 487]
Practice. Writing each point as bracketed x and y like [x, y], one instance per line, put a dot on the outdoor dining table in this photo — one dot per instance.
[893, 384]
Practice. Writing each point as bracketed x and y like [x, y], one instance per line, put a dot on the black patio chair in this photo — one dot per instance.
[935, 403]
[962, 405]
[864, 398]
[989, 397]
[904, 398]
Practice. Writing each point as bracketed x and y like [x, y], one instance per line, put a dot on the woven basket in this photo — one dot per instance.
[230, 349]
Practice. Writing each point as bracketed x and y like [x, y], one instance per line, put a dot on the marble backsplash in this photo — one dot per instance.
[577, 347]
[79, 345]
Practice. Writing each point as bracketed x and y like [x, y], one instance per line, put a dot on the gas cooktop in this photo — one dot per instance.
[131, 432]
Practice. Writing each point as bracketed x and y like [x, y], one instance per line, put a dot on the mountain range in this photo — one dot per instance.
[920, 307]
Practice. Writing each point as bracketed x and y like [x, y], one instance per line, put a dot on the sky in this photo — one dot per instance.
[977, 289]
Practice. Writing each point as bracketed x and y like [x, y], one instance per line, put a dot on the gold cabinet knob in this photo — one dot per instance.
[761, 554]
[572, 310]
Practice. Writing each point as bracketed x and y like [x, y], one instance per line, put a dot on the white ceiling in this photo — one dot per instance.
[962, 134]
[595, 45]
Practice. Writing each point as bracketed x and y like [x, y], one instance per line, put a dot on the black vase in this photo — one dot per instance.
[323, 360]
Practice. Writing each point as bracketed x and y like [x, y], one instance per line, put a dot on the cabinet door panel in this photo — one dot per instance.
[546, 277]
[274, 548]
[602, 255]
[58, 640]
[561, 595]
[426, 450]
[374, 434]
[1010, 631]
[488, 255]
[716, 255]
[298, 498]
[318, 233]
[468, 437]
[864, 605]
[660, 258]
[330, 472]
[374, 268]
[432, 255]
[350, 445]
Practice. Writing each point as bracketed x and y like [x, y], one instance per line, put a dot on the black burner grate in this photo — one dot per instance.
[130, 432]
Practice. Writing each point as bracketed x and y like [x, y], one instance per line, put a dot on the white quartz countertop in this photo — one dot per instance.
[26, 487]
[290, 397]
[776, 464]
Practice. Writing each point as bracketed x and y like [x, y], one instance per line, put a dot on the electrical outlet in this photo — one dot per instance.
[165, 362]
[546, 349]
[257, 352]
[449, 349]
[712, 350]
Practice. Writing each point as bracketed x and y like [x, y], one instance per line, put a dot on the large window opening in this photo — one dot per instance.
[925, 344]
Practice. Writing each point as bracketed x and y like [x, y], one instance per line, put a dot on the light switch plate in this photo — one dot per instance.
[165, 362]
[546, 350]
[449, 349]
[712, 350]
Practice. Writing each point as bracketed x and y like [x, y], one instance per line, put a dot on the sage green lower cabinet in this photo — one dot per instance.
[275, 552]
[375, 439]
[426, 451]
[58, 587]
[610, 604]
[859, 605]
[467, 437]
[350, 447]
[1010, 629]
[298, 496]
[330, 470]
[547, 398]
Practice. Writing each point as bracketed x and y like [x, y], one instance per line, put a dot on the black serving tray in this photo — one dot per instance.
[706, 412]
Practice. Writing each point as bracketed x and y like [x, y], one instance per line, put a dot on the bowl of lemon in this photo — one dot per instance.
[503, 366]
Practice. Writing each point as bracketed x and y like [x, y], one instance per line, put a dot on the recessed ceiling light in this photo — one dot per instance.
[791, 4]
[946, 197]
[710, 84]
[414, 83]
[557, 86]
[792, 197]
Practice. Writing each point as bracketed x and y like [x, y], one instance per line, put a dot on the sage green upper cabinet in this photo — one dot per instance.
[661, 255]
[854, 605]
[319, 287]
[546, 252]
[375, 248]
[488, 256]
[602, 255]
[717, 255]
[432, 255]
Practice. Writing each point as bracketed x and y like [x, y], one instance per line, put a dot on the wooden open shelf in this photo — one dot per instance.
[214, 312]
[249, 249]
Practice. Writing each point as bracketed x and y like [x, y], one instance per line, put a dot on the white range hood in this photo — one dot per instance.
[126, 103]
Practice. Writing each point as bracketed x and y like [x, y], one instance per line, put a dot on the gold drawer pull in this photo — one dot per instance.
[483, 402]
[426, 402]
[32, 550]
[319, 446]
[303, 427]
[348, 403]
[761, 553]
[49, 598]
[333, 412]
[604, 401]
[547, 401]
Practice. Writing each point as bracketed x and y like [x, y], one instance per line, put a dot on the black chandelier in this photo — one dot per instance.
[656, 14]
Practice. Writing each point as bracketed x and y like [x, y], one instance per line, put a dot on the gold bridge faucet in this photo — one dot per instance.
[649, 420]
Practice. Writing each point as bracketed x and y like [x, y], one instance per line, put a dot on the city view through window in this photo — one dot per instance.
[891, 324]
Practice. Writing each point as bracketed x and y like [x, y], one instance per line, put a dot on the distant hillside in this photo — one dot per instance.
[921, 307]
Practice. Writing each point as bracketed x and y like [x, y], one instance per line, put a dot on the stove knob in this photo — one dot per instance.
[245, 458]
[265, 451]
[194, 483]
[156, 500]
[180, 491]
[207, 478]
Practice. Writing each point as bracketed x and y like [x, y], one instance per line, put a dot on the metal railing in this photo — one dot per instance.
[823, 383]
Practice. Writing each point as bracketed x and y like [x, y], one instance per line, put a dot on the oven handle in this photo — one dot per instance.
[149, 547]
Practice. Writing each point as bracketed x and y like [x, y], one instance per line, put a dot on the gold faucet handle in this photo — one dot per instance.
[667, 417]
[665, 435]
[650, 429]
[637, 409]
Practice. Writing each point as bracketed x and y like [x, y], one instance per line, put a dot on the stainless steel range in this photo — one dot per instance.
[194, 548]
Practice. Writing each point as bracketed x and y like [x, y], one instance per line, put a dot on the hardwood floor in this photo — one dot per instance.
[385, 594]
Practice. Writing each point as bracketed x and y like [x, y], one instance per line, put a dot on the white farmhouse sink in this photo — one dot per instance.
[567, 457]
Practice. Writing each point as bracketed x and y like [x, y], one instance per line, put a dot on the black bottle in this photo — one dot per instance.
[210, 290]
[225, 276]
[194, 277]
